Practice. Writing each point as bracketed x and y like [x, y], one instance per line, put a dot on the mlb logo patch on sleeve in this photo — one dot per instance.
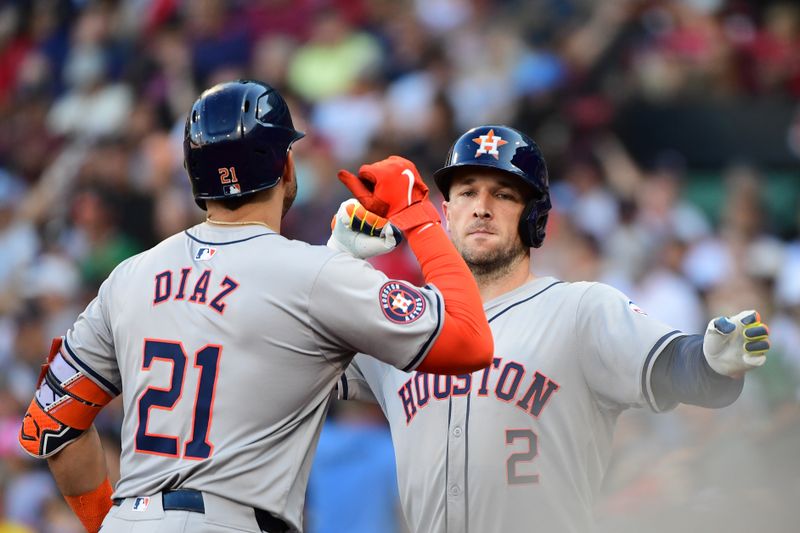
[401, 303]
[636, 308]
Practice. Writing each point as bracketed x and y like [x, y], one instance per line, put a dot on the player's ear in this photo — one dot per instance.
[288, 169]
[446, 214]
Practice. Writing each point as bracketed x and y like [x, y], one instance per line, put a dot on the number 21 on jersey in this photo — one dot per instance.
[158, 352]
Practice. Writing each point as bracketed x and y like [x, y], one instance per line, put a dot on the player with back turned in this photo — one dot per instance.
[523, 444]
[225, 340]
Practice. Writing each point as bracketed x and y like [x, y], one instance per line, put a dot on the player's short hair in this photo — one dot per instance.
[232, 204]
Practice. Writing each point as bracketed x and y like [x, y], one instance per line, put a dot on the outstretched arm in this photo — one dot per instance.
[681, 374]
[707, 370]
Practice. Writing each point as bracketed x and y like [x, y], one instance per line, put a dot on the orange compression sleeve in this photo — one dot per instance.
[91, 507]
[465, 343]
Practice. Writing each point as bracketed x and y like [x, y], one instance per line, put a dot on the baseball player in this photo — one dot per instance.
[523, 444]
[225, 340]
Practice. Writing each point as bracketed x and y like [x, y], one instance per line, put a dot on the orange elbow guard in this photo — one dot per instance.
[63, 407]
[91, 507]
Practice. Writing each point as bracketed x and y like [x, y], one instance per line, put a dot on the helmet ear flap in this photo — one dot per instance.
[533, 222]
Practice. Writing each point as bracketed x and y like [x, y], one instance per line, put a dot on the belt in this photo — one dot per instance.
[192, 500]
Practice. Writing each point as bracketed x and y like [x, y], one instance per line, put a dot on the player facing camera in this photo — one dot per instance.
[524, 443]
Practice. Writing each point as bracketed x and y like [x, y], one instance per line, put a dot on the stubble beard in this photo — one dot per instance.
[495, 264]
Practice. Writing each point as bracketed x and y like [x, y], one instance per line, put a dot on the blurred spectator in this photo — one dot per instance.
[627, 250]
[743, 246]
[93, 106]
[95, 240]
[666, 295]
[53, 283]
[349, 122]
[27, 493]
[291, 18]
[592, 206]
[217, 42]
[664, 214]
[271, 57]
[7, 524]
[483, 95]
[333, 60]
[443, 15]
[775, 50]
[18, 239]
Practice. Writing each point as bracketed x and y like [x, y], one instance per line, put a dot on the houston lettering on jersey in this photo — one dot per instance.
[508, 382]
[181, 286]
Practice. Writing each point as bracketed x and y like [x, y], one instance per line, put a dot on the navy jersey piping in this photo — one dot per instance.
[195, 239]
[103, 381]
[447, 462]
[343, 389]
[466, 467]
[427, 344]
[525, 300]
[652, 401]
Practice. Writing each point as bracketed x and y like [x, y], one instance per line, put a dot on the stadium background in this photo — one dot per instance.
[672, 132]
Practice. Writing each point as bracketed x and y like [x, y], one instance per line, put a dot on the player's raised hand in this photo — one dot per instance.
[734, 345]
[386, 187]
[360, 233]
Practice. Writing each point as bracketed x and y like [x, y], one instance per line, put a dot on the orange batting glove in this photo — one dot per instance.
[392, 188]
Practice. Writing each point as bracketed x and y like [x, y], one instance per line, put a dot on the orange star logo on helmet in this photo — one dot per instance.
[489, 144]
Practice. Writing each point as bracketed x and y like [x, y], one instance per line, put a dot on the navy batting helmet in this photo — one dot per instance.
[506, 149]
[236, 140]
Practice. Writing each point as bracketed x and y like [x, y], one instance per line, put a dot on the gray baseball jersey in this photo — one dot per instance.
[225, 343]
[523, 445]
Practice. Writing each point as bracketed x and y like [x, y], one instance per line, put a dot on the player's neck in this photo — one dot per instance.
[262, 213]
[492, 285]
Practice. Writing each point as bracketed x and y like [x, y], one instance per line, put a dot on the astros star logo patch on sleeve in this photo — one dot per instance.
[401, 303]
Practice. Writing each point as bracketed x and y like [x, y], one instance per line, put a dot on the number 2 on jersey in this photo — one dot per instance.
[207, 360]
[515, 478]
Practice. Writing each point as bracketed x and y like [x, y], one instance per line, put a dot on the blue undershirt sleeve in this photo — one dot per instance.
[681, 375]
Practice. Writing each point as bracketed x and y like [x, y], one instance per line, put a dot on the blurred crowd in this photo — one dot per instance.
[93, 96]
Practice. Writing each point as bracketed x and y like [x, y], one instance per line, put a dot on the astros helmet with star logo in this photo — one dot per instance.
[511, 151]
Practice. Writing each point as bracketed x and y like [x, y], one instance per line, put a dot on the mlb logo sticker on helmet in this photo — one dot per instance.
[401, 303]
[231, 189]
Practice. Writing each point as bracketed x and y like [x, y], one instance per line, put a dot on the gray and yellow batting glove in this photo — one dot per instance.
[361, 233]
[734, 345]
